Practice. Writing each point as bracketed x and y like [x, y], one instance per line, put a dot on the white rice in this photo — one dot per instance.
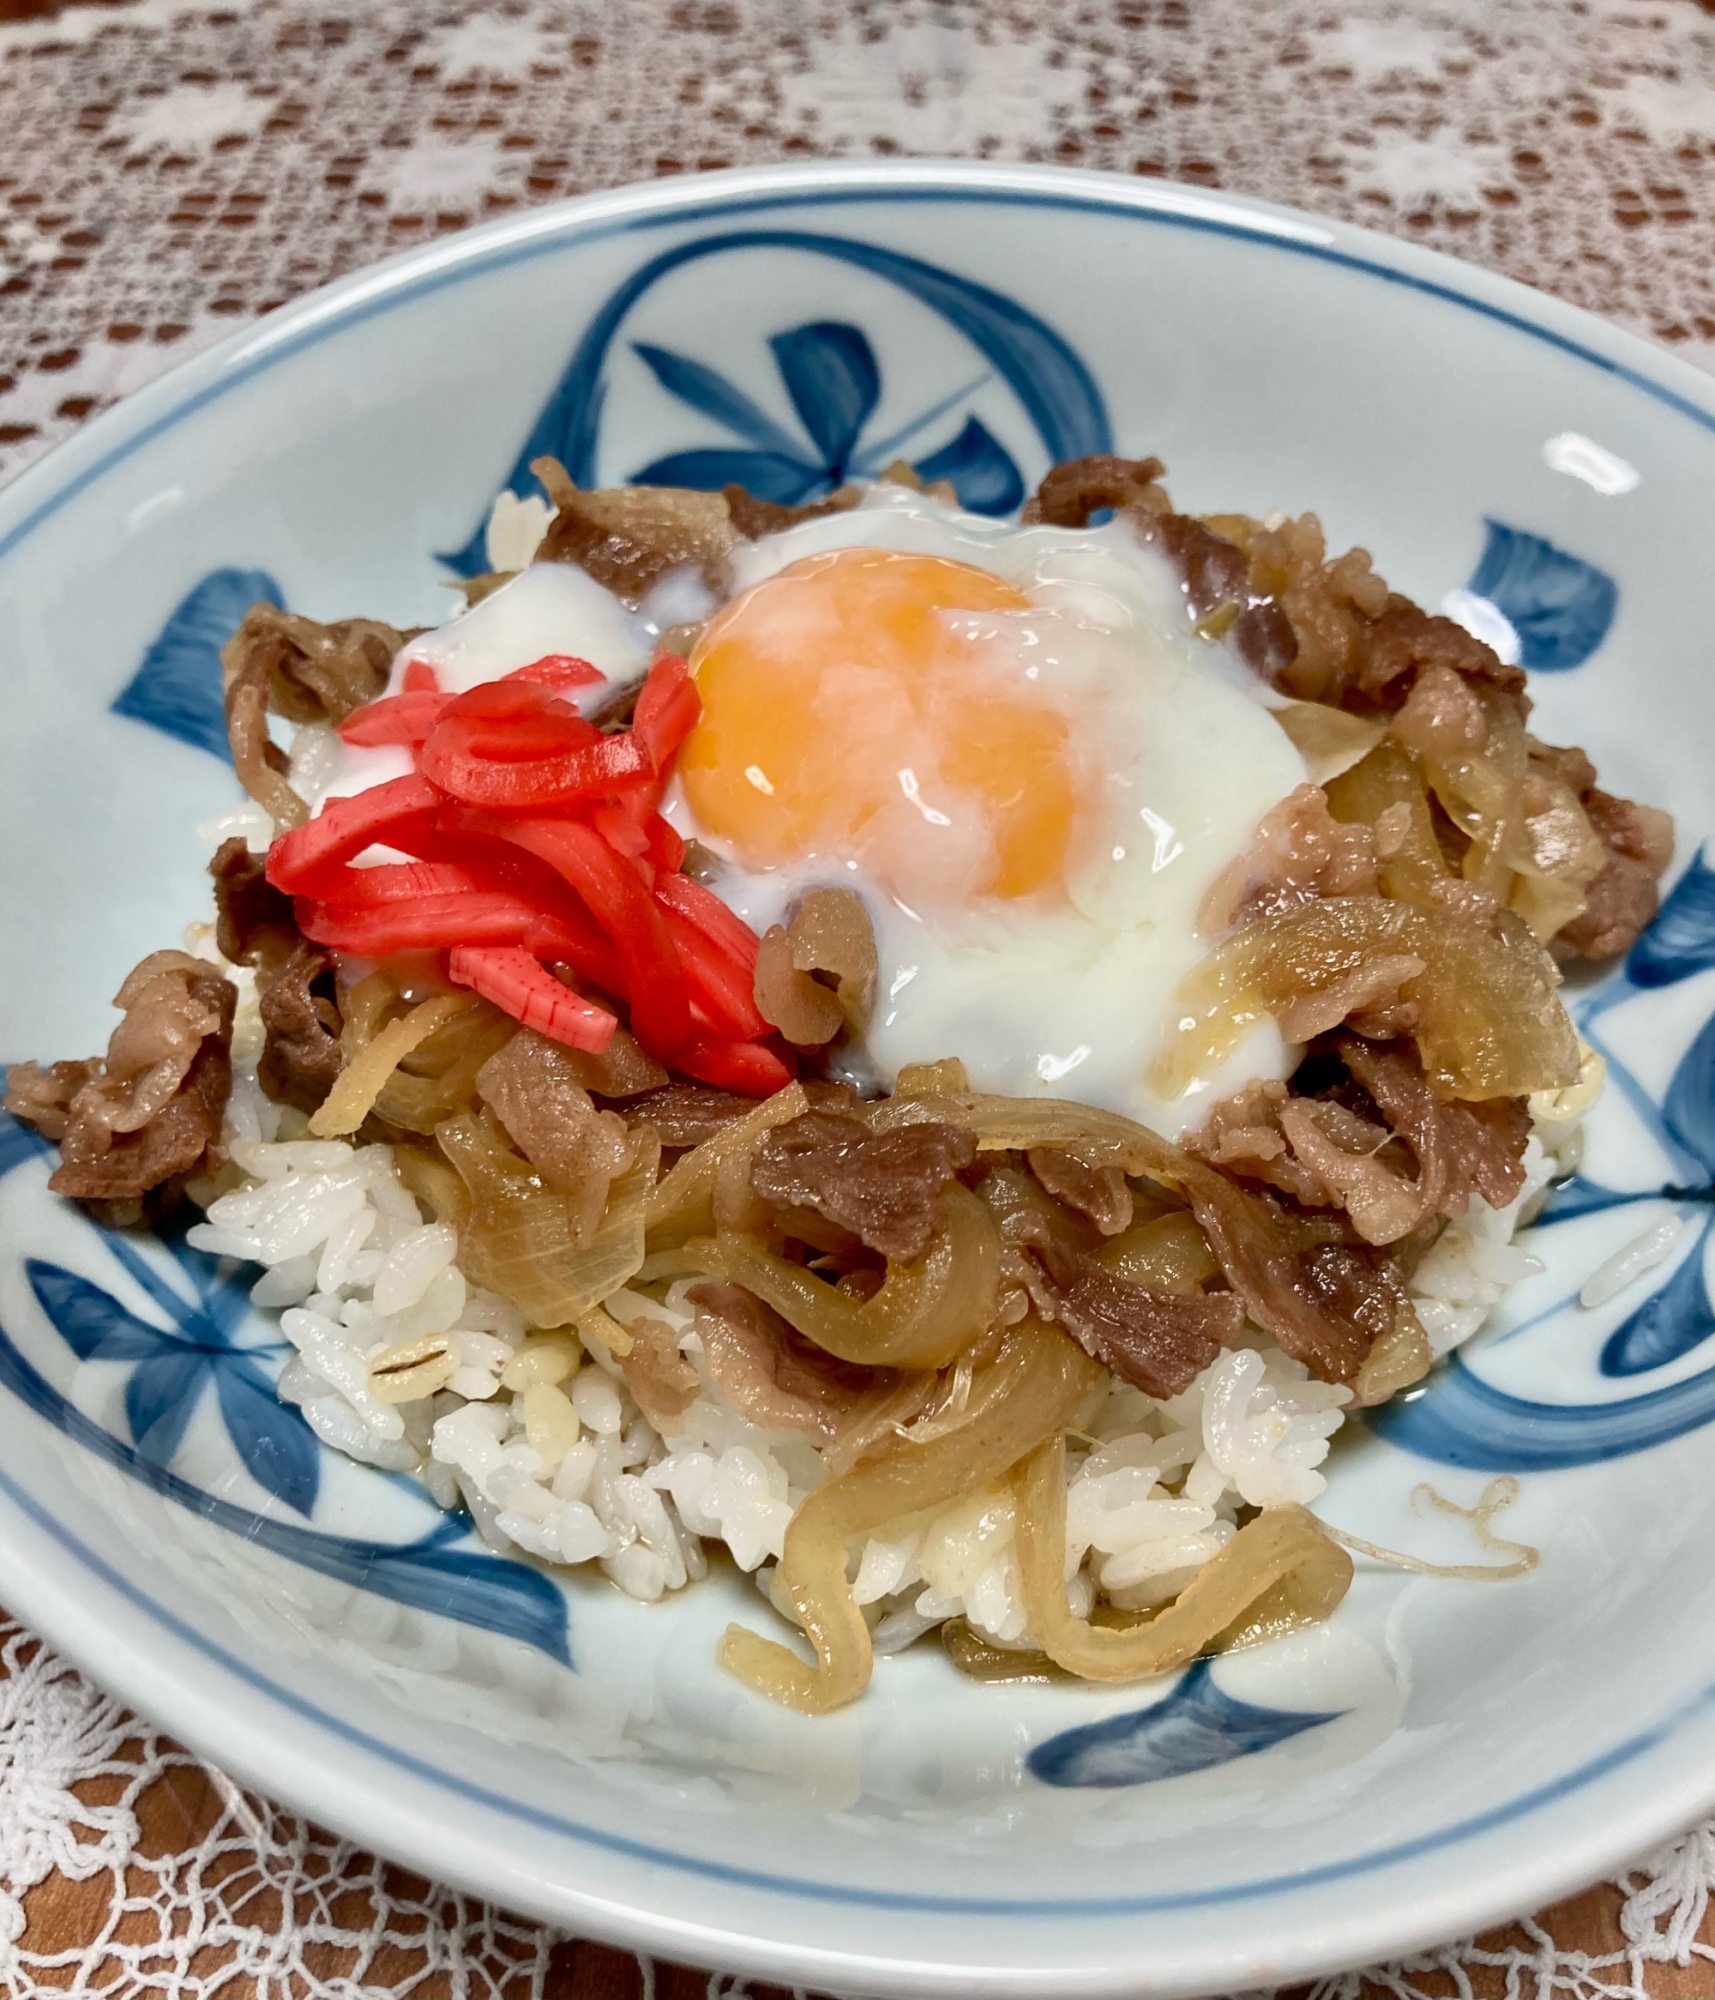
[1654, 1246]
[1475, 1263]
[538, 1435]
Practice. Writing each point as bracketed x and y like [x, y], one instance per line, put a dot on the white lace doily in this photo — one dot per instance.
[171, 168]
[199, 1891]
[174, 166]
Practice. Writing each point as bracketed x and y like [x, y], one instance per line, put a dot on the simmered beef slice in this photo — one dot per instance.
[1356, 644]
[279, 663]
[1159, 1341]
[133, 1126]
[753, 518]
[302, 1054]
[627, 537]
[1372, 1139]
[664, 1383]
[1298, 854]
[1325, 1300]
[1623, 899]
[685, 1114]
[1215, 573]
[770, 1373]
[884, 1187]
[1076, 488]
[1097, 1188]
[532, 1087]
[312, 672]
[254, 920]
[1404, 640]
[1462, 1149]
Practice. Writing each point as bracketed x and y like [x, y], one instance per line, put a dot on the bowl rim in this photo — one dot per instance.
[161, 1680]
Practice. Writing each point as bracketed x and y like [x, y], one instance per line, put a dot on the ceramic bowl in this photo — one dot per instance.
[1440, 1755]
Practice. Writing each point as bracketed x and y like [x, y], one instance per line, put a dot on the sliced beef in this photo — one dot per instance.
[1242, 1136]
[884, 1187]
[769, 1372]
[254, 920]
[278, 662]
[302, 1053]
[1076, 488]
[1355, 644]
[752, 518]
[1215, 573]
[657, 1374]
[133, 1126]
[1636, 843]
[1325, 1301]
[532, 1087]
[1298, 853]
[627, 537]
[685, 1114]
[1461, 1149]
[1441, 717]
[1096, 1189]
[1372, 1140]
[313, 672]
[1624, 898]
[1396, 647]
[1159, 1341]
[44, 1097]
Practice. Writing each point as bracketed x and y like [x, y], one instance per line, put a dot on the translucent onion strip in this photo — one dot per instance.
[1328, 739]
[1033, 1389]
[683, 1205]
[1490, 1023]
[521, 1237]
[1280, 1571]
[360, 1083]
[923, 1314]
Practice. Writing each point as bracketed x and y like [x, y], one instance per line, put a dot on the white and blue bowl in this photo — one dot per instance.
[1443, 1753]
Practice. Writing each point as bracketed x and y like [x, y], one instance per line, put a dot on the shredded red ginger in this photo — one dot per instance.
[538, 845]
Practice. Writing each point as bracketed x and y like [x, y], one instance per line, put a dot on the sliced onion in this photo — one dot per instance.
[1409, 859]
[923, 1314]
[1402, 1356]
[1169, 1253]
[1032, 1390]
[521, 1237]
[359, 1084]
[1280, 1571]
[433, 1182]
[1328, 739]
[1490, 1023]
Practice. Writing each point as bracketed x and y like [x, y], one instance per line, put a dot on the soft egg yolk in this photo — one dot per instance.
[846, 684]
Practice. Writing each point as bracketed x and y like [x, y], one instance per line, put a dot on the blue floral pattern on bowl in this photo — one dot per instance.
[1559, 606]
[177, 686]
[1462, 1419]
[173, 1366]
[830, 373]
[1195, 1727]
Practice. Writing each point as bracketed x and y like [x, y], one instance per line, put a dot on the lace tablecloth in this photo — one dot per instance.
[171, 168]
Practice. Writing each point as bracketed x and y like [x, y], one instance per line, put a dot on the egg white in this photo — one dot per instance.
[1071, 1001]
